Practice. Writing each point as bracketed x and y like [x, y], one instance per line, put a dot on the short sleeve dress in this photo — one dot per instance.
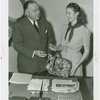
[71, 50]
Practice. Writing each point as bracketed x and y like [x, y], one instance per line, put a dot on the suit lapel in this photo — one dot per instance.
[42, 27]
[35, 33]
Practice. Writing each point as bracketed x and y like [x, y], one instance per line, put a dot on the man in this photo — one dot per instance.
[32, 35]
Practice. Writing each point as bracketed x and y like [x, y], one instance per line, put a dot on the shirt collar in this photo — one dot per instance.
[33, 21]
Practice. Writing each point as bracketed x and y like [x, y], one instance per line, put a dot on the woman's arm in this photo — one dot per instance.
[56, 48]
[60, 47]
[86, 44]
[84, 57]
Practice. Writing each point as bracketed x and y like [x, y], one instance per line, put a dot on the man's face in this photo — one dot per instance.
[33, 11]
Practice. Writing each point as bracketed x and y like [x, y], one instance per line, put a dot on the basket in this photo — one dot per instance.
[59, 66]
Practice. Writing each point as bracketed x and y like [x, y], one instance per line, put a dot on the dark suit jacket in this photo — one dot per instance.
[26, 39]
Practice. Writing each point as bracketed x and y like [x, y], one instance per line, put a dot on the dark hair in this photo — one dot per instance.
[76, 9]
[27, 4]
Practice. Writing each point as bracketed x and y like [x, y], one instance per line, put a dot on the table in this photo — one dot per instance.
[85, 93]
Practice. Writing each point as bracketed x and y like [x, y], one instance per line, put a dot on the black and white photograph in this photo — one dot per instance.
[50, 50]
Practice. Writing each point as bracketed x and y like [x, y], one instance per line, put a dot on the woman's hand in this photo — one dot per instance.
[60, 47]
[73, 71]
[52, 47]
[50, 57]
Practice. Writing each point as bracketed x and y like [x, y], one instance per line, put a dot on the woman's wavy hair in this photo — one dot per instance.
[81, 17]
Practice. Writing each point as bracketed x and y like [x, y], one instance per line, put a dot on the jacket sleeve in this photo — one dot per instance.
[18, 42]
[51, 36]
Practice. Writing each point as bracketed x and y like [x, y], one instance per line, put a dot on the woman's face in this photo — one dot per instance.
[71, 14]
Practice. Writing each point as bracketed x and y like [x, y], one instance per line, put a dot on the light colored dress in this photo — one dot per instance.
[71, 50]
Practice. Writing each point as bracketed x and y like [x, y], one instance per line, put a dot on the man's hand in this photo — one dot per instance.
[40, 53]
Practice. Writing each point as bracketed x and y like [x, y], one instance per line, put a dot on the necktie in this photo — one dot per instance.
[71, 28]
[35, 26]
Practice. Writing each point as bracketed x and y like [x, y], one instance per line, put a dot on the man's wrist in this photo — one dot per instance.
[33, 54]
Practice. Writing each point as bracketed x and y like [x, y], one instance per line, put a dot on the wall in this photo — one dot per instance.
[15, 11]
[55, 13]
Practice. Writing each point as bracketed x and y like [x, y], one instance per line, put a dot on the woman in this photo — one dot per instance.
[75, 36]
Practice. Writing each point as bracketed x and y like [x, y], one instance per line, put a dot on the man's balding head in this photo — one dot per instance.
[32, 10]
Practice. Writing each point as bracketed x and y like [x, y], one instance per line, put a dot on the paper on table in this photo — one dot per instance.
[64, 86]
[20, 78]
[35, 84]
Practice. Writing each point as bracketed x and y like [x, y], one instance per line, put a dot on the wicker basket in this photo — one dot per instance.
[59, 66]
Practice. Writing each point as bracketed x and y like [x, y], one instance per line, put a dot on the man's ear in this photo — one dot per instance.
[26, 12]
